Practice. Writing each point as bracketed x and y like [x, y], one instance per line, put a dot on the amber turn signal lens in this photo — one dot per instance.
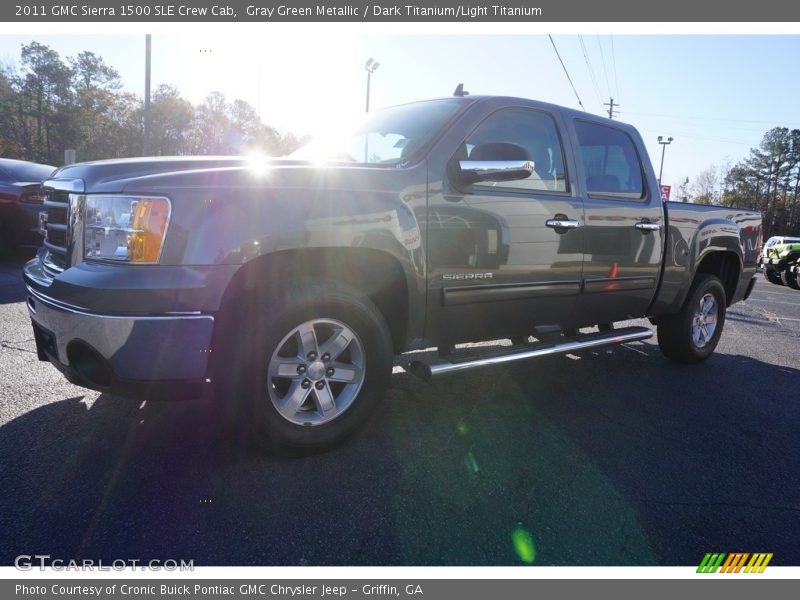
[150, 217]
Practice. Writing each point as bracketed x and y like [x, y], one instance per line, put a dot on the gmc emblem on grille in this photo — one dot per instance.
[465, 276]
[43, 223]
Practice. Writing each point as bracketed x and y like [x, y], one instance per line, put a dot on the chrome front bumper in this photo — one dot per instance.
[144, 349]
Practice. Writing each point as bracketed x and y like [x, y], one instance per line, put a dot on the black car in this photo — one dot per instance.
[21, 201]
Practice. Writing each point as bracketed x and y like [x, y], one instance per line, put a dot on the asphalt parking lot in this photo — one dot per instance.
[611, 457]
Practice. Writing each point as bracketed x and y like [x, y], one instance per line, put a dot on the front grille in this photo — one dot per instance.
[57, 239]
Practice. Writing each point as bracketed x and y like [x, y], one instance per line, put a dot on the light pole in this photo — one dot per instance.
[370, 67]
[146, 137]
[663, 149]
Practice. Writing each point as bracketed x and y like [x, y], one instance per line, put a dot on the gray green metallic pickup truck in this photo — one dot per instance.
[286, 287]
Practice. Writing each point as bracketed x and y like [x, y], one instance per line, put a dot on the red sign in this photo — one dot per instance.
[665, 190]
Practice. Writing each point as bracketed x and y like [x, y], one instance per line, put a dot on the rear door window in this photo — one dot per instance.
[611, 164]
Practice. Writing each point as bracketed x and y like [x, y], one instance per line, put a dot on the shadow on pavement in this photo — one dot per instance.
[597, 460]
[705, 454]
[12, 288]
[164, 481]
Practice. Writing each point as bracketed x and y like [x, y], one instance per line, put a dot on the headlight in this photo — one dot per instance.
[125, 228]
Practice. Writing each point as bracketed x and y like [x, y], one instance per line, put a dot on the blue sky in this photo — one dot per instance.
[715, 94]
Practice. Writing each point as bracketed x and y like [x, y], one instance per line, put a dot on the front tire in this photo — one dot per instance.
[317, 358]
[691, 335]
[789, 279]
[772, 276]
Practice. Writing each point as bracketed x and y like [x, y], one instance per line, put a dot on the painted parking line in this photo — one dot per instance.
[773, 302]
[786, 293]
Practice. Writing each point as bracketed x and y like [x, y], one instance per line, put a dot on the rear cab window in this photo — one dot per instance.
[611, 164]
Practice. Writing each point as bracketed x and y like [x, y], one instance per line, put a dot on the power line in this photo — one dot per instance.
[705, 139]
[591, 70]
[605, 70]
[614, 59]
[563, 66]
[708, 118]
[753, 128]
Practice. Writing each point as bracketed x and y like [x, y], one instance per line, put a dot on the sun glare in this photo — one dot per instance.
[322, 81]
[258, 164]
[328, 142]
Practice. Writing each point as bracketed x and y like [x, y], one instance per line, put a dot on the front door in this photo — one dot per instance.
[499, 264]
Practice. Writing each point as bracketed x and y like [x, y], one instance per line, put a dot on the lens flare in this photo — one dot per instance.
[523, 545]
[472, 464]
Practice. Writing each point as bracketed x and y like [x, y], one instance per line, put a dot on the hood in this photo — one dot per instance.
[104, 173]
[159, 175]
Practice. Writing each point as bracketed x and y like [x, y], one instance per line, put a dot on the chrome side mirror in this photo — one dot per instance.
[472, 171]
[495, 161]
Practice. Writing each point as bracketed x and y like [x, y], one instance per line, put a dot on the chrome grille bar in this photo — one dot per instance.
[58, 198]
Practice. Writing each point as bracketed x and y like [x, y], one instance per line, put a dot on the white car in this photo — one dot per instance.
[778, 239]
[771, 274]
[774, 241]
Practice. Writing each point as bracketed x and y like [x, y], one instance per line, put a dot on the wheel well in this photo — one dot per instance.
[724, 265]
[378, 275]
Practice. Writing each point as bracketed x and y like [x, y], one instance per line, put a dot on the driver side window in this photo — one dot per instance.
[531, 130]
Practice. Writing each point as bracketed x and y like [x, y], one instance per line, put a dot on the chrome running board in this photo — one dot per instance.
[582, 342]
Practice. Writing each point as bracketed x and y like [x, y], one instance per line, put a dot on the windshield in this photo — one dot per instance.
[386, 137]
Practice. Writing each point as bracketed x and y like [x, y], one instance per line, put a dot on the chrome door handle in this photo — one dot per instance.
[562, 223]
[645, 226]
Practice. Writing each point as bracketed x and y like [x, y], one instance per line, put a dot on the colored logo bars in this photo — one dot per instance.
[734, 562]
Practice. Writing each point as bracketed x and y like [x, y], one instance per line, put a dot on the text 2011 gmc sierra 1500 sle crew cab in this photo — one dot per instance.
[288, 286]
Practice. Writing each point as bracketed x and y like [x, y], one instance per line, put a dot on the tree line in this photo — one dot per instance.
[767, 180]
[49, 104]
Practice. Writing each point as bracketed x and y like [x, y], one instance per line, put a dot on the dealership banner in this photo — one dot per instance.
[400, 11]
[422, 589]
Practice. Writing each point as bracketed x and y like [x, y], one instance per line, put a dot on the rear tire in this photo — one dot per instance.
[691, 335]
[772, 276]
[789, 279]
[315, 360]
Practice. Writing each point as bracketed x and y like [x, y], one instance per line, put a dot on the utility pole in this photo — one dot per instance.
[611, 110]
[146, 141]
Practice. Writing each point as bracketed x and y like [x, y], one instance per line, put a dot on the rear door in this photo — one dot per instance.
[624, 228]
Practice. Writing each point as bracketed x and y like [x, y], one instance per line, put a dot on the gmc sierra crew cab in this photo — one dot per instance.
[288, 286]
